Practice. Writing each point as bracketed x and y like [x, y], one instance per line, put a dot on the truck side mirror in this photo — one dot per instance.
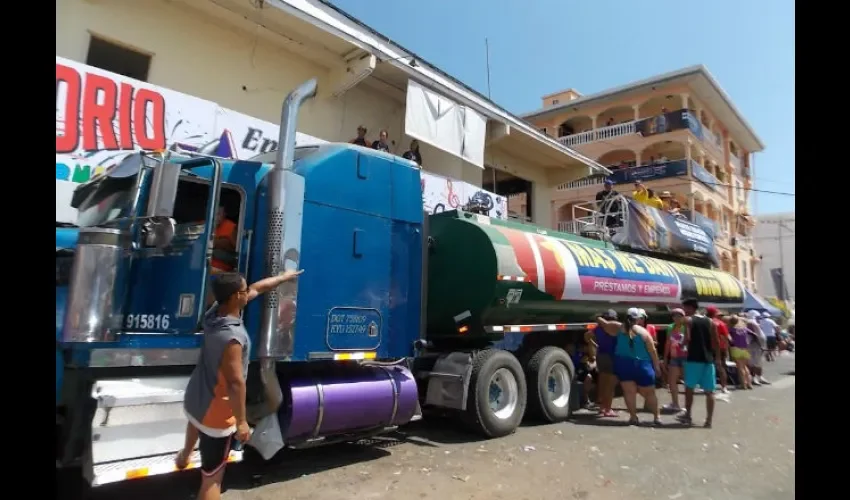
[163, 190]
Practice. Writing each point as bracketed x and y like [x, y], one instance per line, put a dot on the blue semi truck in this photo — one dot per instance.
[397, 312]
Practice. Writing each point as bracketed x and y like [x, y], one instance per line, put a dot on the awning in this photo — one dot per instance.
[756, 302]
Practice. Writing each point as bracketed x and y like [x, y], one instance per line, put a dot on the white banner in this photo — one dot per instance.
[444, 124]
[440, 194]
[101, 117]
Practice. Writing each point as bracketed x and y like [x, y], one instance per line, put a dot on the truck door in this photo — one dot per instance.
[165, 295]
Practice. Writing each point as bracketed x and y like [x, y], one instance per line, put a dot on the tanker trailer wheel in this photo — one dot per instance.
[497, 393]
[549, 372]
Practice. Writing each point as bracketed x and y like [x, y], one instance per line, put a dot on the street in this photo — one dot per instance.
[748, 454]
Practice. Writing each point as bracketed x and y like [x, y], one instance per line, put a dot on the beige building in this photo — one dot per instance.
[677, 132]
[246, 56]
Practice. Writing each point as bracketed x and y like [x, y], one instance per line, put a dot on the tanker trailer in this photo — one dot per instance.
[496, 286]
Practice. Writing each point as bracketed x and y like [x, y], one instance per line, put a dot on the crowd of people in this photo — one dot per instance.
[383, 144]
[695, 350]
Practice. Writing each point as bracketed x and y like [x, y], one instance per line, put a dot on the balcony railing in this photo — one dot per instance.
[595, 180]
[599, 134]
[668, 122]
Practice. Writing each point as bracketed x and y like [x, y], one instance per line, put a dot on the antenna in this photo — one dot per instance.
[487, 55]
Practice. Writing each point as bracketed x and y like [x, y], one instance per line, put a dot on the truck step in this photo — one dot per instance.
[138, 468]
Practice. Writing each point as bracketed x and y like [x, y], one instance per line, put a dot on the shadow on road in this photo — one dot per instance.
[291, 464]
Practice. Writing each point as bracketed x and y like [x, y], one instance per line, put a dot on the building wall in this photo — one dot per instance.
[766, 236]
[206, 57]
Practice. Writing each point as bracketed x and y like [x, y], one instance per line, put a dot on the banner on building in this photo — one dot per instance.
[655, 230]
[440, 194]
[668, 122]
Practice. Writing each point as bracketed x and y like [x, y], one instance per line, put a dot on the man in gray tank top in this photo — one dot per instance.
[214, 401]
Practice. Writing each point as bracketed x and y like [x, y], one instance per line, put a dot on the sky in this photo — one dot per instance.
[543, 46]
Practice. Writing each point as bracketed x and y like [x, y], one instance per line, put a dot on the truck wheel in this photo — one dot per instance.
[497, 393]
[550, 375]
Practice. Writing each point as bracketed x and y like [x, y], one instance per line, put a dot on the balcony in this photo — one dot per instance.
[705, 177]
[600, 134]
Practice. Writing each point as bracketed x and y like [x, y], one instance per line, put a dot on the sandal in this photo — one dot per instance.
[608, 414]
[684, 418]
[634, 421]
[656, 422]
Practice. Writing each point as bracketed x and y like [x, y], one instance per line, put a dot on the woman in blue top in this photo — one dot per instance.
[635, 362]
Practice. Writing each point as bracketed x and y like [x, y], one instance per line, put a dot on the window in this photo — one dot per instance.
[555, 101]
[543, 130]
[118, 59]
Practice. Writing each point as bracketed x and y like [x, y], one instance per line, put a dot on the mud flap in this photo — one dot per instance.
[448, 382]
[267, 437]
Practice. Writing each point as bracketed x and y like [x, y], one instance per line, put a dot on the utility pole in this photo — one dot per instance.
[487, 56]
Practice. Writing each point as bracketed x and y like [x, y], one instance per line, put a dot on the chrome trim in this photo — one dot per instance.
[395, 394]
[320, 418]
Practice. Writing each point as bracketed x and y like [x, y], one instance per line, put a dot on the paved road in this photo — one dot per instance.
[749, 454]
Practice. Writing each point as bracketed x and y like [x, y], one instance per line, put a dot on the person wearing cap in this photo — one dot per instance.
[722, 346]
[607, 203]
[675, 355]
[605, 345]
[770, 330]
[700, 368]
[635, 362]
[360, 140]
[756, 346]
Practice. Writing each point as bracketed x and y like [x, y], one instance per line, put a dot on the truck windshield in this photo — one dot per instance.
[110, 199]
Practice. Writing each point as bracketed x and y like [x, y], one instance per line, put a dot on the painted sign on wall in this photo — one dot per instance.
[440, 194]
[102, 117]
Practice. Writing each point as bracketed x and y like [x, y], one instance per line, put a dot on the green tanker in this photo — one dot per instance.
[488, 277]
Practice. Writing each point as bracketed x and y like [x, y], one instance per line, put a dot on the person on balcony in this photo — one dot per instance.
[646, 196]
[413, 153]
[653, 200]
[360, 140]
[381, 144]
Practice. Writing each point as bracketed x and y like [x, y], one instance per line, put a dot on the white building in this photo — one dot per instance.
[244, 56]
[774, 242]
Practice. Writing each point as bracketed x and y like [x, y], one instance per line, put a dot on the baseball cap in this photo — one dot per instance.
[610, 315]
[765, 314]
[678, 311]
[711, 310]
[642, 313]
[609, 182]
[753, 314]
[633, 313]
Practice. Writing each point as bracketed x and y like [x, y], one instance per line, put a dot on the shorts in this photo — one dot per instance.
[677, 362]
[756, 356]
[771, 343]
[214, 453]
[739, 354]
[604, 363]
[700, 374]
[638, 371]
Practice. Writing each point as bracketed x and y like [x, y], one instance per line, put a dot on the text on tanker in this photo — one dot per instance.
[599, 258]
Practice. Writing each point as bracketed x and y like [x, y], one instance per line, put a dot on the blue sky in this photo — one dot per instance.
[542, 46]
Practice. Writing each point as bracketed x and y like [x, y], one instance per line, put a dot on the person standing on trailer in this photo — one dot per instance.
[605, 365]
[214, 401]
[635, 363]
[701, 339]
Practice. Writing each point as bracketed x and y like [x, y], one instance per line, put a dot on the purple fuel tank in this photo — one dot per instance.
[348, 400]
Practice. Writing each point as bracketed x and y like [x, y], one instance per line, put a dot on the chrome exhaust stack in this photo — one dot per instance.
[286, 202]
